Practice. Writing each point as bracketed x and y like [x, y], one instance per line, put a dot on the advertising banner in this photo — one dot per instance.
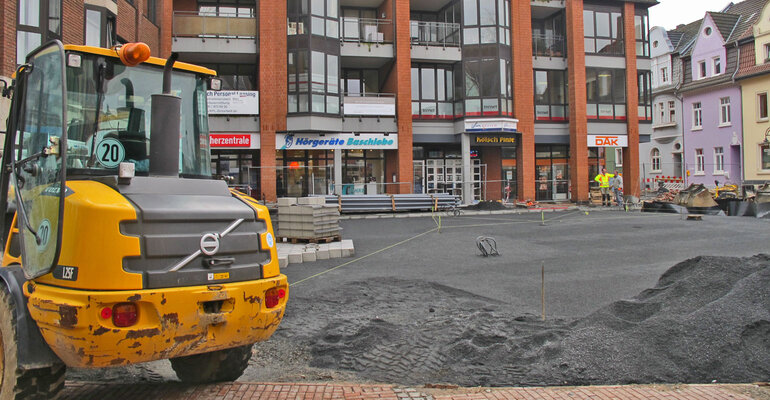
[376, 106]
[233, 102]
[607, 141]
[491, 125]
[333, 141]
[234, 140]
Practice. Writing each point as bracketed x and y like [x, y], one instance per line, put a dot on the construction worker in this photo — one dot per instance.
[604, 184]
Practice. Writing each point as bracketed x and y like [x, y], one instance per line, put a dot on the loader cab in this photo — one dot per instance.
[77, 113]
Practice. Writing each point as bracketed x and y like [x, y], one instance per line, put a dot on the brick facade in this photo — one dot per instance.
[524, 106]
[273, 74]
[404, 96]
[578, 121]
[631, 153]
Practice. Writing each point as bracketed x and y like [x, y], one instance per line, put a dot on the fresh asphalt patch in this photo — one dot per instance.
[418, 304]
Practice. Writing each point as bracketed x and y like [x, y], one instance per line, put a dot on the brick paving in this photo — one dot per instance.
[343, 391]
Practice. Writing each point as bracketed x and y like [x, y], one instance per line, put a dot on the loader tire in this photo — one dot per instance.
[216, 366]
[16, 383]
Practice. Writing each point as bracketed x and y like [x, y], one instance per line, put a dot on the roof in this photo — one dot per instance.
[733, 23]
[724, 23]
[747, 67]
[750, 11]
[687, 35]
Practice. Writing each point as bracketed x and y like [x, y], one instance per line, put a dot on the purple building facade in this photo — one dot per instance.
[712, 106]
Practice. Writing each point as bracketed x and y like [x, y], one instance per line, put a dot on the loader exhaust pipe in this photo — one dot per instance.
[165, 127]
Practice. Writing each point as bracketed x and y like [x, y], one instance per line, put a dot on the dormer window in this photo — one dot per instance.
[717, 65]
[702, 69]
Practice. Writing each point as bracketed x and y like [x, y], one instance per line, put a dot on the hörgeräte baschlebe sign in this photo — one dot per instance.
[332, 141]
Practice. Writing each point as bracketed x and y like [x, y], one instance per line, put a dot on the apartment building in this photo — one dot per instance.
[478, 98]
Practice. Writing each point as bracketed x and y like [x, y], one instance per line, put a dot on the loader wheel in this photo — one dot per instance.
[15, 383]
[216, 366]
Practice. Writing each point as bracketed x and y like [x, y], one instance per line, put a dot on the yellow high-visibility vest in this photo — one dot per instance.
[604, 180]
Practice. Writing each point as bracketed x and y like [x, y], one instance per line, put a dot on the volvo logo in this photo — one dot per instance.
[210, 244]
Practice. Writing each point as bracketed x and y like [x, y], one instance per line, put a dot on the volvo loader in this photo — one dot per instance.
[119, 246]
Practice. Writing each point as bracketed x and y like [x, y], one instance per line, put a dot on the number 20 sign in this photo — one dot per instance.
[110, 152]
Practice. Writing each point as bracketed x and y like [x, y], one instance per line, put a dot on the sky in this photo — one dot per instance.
[670, 13]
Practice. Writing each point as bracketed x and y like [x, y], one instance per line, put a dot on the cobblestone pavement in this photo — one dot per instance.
[342, 391]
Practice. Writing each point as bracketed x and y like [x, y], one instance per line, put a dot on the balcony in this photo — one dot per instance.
[548, 45]
[435, 41]
[367, 38]
[202, 37]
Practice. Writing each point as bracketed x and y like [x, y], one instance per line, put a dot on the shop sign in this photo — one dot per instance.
[493, 139]
[233, 102]
[491, 125]
[234, 140]
[607, 141]
[377, 106]
[307, 141]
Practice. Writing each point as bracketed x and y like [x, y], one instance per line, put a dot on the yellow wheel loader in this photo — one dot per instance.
[119, 246]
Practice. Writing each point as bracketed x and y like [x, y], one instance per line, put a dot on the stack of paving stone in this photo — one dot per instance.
[308, 219]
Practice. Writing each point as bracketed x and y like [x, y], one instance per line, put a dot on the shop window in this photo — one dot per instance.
[552, 172]
[551, 103]
[764, 150]
[603, 30]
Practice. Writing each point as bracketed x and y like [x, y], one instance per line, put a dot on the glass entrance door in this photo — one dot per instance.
[295, 179]
[418, 176]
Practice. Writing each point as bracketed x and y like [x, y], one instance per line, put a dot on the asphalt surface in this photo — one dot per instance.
[590, 259]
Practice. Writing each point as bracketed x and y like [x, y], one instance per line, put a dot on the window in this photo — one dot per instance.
[619, 157]
[717, 64]
[719, 160]
[661, 114]
[642, 33]
[606, 94]
[762, 106]
[323, 83]
[38, 22]
[603, 30]
[664, 75]
[432, 91]
[551, 95]
[655, 160]
[236, 76]
[764, 157]
[701, 69]
[644, 85]
[767, 52]
[700, 166]
[486, 22]
[672, 112]
[99, 27]
[151, 10]
[487, 86]
[230, 8]
[697, 116]
[724, 111]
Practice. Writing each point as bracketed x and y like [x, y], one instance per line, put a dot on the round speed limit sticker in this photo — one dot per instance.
[110, 152]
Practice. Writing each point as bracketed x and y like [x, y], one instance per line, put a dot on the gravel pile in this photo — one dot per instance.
[487, 206]
[707, 319]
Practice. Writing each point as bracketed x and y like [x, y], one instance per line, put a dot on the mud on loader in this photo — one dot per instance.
[119, 247]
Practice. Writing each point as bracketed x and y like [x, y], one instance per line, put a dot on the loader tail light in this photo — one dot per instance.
[124, 315]
[273, 297]
[133, 54]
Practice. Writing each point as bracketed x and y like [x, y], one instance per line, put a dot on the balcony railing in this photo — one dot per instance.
[369, 104]
[549, 45]
[366, 30]
[193, 24]
[441, 34]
